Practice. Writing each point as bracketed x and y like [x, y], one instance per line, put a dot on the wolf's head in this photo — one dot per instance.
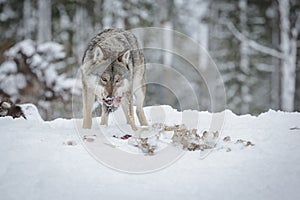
[113, 81]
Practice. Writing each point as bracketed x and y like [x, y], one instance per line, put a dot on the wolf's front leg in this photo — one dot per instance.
[140, 96]
[104, 115]
[88, 97]
[127, 105]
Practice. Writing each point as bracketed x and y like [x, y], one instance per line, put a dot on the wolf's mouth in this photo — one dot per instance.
[112, 103]
[108, 101]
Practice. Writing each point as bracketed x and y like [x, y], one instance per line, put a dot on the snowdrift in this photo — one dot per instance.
[50, 159]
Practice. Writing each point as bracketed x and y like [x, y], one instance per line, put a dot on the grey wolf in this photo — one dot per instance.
[113, 70]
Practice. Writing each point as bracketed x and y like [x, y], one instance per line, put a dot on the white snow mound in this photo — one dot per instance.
[46, 160]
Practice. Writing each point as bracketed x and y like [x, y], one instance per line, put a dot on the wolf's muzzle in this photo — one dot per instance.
[108, 101]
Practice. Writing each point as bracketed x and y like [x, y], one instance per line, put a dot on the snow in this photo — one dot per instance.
[53, 50]
[50, 75]
[36, 60]
[20, 81]
[8, 67]
[10, 84]
[26, 47]
[47, 160]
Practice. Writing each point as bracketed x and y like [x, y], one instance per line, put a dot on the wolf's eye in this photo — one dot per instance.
[103, 79]
[117, 81]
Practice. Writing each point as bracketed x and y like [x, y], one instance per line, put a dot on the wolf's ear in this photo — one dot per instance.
[98, 55]
[125, 57]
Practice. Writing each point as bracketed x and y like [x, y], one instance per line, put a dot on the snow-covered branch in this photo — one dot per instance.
[31, 74]
[251, 43]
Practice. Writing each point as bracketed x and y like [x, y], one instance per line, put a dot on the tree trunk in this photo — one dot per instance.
[82, 30]
[44, 21]
[167, 44]
[99, 12]
[244, 58]
[275, 81]
[27, 21]
[288, 64]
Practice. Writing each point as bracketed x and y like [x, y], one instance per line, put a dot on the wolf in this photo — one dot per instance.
[113, 70]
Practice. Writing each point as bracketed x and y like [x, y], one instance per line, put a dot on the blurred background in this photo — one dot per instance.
[255, 45]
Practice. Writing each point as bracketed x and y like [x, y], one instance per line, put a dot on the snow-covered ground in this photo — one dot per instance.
[47, 160]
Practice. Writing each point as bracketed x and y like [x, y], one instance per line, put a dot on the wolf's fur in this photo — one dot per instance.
[113, 69]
